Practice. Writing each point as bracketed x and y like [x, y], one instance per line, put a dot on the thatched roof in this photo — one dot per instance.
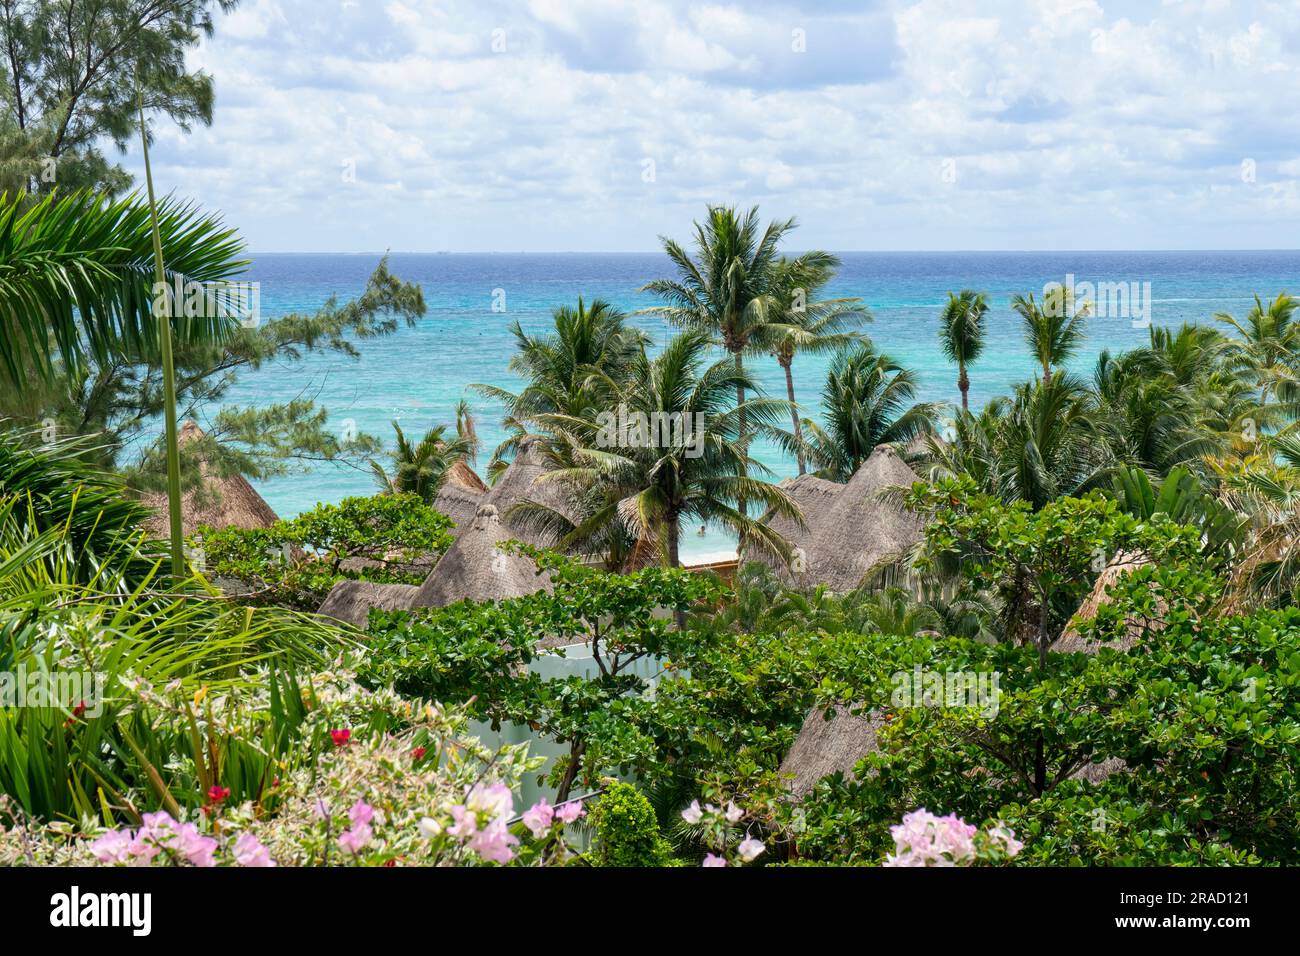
[458, 504]
[462, 477]
[813, 495]
[825, 746]
[851, 529]
[475, 569]
[520, 482]
[351, 601]
[1071, 641]
[221, 502]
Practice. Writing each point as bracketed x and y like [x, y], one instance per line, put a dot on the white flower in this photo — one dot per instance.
[750, 849]
[429, 828]
[693, 814]
[734, 813]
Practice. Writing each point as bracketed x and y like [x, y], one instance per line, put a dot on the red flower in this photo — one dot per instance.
[218, 793]
[418, 753]
[76, 713]
[340, 737]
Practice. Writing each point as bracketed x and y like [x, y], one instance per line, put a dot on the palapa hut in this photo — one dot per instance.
[221, 502]
[461, 493]
[522, 482]
[351, 601]
[825, 746]
[851, 528]
[1071, 641]
[475, 569]
[813, 495]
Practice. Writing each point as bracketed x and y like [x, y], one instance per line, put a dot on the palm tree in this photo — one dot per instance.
[1054, 330]
[467, 430]
[868, 400]
[1267, 347]
[566, 370]
[1045, 442]
[810, 327]
[649, 486]
[421, 469]
[77, 279]
[725, 289]
[961, 334]
[892, 611]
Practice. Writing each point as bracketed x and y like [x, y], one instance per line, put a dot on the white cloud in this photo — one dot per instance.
[1062, 119]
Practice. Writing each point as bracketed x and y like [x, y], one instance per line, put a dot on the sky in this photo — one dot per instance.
[599, 125]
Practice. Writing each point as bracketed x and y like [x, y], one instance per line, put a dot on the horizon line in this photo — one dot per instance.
[646, 252]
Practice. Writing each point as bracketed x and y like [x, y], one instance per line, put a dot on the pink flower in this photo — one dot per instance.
[356, 839]
[495, 800]
[923, 839]
[193, 846]
[113, 847]
[250, 852]
[493, 842]
[464, 822]
[734, 813]
[1007, 837]
[713, 860]
[569, 812]
[750, 849]
[340, 737]
[539, 817]
[693, 814]
[360, 813]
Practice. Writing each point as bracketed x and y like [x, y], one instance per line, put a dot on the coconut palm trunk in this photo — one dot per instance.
[794, 414]
[673, 528]
[741, 505]
[963, 383]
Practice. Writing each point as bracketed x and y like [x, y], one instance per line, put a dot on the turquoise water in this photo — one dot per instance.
[418, 375]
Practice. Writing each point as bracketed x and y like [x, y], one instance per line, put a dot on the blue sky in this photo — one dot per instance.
[597, 125]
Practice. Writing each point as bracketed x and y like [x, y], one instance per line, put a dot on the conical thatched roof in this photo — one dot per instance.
[520, 482]
[221, 503]
[850, 528]
[351, 601]
[813, 495]
[462, 477]
[475, 569]
[1072, 642]
[825, 746]
[458, 503]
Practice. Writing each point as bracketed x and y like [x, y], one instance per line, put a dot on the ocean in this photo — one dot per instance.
[417, 375]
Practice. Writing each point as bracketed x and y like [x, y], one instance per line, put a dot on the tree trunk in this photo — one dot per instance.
[963, 383]
[674, 531]
[576, 751]
[741, 505]
[794, 415]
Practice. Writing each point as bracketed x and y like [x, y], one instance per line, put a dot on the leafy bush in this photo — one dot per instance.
[627, 831]
[384, 538]
[477, 655]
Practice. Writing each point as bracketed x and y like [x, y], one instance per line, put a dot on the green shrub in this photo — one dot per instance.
[627, 831]
[295, 563]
